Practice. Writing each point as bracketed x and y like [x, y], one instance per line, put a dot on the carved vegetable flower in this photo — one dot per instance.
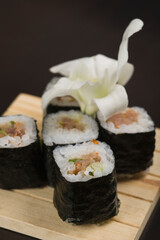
[96, 82]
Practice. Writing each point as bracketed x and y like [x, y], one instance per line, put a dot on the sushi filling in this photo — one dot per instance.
[12, 129]
[66, 127]
[128, 117]
[85, 161]
[17, 131]
[65, 101]
[70, 123]
[132, 120]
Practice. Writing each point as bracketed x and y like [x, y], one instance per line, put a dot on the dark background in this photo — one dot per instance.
[37, 34]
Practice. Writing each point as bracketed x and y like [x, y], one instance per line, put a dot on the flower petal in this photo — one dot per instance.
[115, 102]
[67, 67]
[84, 72]
[85, 96]
[93, 68]
[92, 81]
[126, 74]
[97, 63]
[134, 26]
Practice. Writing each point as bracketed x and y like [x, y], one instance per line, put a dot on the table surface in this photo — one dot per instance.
[36, 35]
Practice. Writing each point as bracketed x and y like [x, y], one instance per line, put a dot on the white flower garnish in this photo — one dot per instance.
[96, 82]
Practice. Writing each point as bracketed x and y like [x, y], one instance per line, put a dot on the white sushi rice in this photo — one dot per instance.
[102, 168]
[144, 123]
[30, 132]
[53, 133]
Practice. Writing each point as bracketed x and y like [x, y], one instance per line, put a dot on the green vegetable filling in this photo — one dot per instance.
[73, 160]
[12, 123]
[3, 132]
[91, 173]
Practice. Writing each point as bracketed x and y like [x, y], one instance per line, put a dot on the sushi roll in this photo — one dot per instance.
[21, 165]
[60, 103]
[131, 135]
[62, 128]
[86, 189]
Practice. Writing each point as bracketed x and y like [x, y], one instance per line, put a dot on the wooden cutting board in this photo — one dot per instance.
[31, 211]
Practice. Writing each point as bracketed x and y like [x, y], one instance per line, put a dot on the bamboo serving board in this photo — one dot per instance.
[31, 211]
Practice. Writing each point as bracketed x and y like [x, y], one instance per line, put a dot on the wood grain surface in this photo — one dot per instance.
[31, 211]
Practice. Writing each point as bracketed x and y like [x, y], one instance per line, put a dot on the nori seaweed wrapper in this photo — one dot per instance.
[22, 167]
[50, 164]
[55, 108]
[93, 201]
[133, 151]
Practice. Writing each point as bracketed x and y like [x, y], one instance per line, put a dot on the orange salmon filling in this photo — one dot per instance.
[130, 116]
[67, 98]
[12, 129]
[82, 163]
[69, 123]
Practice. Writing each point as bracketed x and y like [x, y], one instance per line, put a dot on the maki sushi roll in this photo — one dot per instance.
[60, 103]
[86, 189]
[131, 135]
[62, 128]
[21, 165]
